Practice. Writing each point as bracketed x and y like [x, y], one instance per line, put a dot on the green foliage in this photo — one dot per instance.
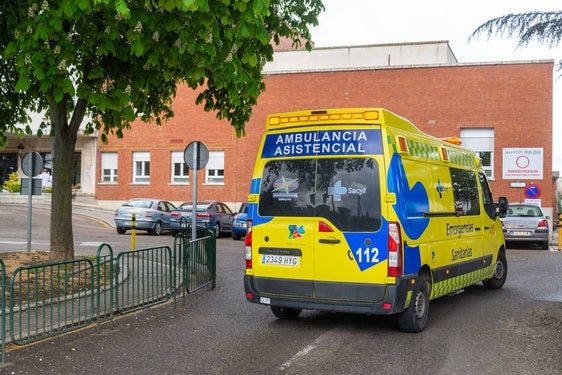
[113, 61]
[543, 27]
[12, 184]
[116, 60]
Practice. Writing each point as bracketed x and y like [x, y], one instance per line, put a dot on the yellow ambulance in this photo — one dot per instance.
[357, 210]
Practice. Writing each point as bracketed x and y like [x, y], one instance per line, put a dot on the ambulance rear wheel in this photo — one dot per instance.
[500, 273]
[285, 312]
[414, 318]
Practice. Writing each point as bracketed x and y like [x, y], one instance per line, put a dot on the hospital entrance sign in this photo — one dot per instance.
[523, 163]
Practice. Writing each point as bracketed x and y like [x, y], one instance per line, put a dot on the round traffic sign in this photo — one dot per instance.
[532, 191]
[196, 155]
[32, 164]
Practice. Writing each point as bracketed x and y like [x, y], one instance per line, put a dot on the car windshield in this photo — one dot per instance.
[524, 211]
[139, 204]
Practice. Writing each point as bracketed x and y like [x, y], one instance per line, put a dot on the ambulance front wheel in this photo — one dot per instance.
[285, 312]
[414, 318]
[500, 273]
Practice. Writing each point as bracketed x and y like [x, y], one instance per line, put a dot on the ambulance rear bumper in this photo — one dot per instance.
[393, 300]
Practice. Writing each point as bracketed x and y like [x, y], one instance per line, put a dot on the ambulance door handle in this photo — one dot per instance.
[477, 229]
[329, 241]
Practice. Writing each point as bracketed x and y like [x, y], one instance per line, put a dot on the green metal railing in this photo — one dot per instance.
[195, 260]
[104, 291]
[48, 299]
[51, 298]
[148, 280]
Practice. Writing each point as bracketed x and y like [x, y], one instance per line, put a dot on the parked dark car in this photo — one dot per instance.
[526, 223]
[151, 215]
[213, 215]
[239, 222]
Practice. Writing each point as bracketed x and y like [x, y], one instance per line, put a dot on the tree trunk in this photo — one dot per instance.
[63, 142]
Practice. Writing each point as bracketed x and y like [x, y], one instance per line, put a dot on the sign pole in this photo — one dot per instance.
[29, 204]
[194, 192]
[196, 156]
[31, 165]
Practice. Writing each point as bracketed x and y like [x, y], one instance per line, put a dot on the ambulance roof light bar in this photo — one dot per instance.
[315, 116]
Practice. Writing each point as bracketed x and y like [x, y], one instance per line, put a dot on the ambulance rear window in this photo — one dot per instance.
[344, 191]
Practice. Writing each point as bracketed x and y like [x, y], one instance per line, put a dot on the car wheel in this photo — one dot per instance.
[285, 312]
[157, 230]
[217, 230]
[544, 245]
[415, 317]
[236, 236]
[121, 230]
[500, 273]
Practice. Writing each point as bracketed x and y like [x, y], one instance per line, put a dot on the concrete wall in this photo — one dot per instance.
[362, 57]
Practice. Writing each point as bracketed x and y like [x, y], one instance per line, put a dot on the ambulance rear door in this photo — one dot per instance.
[351, 236]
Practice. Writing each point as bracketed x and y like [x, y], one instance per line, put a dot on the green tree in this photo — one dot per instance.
[542, 27]
[113, 61]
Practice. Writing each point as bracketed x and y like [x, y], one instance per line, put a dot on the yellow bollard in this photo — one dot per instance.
[559, 233]
[559, 238]
[133, 232]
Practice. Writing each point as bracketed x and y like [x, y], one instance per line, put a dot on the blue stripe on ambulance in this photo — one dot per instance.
[411, 203]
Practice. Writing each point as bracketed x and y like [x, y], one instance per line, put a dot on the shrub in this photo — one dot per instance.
[13, 184]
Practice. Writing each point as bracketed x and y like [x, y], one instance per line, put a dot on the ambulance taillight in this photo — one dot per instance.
[248, 244]
[394, 250]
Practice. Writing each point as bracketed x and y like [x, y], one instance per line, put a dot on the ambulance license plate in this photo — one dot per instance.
[280, 260]
[520, 233]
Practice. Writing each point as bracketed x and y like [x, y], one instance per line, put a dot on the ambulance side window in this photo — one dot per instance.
[465, 192]
[487, 198]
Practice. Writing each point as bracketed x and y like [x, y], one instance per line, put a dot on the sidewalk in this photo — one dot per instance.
[85, 205]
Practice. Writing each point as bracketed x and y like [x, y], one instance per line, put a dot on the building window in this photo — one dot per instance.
[141, 167]
[214, 173]
[109, 167]
[481, 141]
[180, 172]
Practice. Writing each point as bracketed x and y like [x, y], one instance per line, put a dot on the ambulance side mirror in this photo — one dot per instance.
[502, 207]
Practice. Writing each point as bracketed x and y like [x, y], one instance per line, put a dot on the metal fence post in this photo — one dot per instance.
[3, 303]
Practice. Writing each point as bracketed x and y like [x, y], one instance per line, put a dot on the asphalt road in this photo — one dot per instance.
[91, 227]
[514, 330]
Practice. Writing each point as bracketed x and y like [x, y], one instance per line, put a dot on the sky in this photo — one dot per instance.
[364, 22]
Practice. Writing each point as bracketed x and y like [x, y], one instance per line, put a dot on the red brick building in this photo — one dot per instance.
[495, 107]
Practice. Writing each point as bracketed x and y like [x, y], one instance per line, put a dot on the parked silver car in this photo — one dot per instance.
[152, 215]
[526, 223]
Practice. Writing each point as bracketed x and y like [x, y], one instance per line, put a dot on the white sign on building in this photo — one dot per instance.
[523, 163]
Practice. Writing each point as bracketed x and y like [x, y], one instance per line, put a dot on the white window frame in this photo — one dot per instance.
[214, 171]
[481, 141]
[141, 167]
[178, 165]
[109, 163]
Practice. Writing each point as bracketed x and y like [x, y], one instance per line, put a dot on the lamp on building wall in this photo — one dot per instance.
[20, 149]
